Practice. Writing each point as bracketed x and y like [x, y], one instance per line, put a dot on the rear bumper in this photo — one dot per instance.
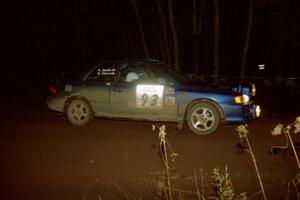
[56, 103]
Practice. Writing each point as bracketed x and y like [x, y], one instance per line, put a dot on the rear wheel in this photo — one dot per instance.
[79, 112]
[203, 118]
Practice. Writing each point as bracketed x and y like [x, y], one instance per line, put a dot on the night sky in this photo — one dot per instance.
[44, 38]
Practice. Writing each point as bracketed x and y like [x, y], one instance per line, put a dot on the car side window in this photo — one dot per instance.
[150, 74]
[136, 72]
[129, 73]
[103, 73]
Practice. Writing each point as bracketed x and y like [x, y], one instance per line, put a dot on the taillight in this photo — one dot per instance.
[52, 90]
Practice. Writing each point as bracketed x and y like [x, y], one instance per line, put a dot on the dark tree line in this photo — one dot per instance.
[196, 36]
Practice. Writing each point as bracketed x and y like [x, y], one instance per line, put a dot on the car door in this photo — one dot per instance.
[142, 97]
[123, 100]
[123, 92]
[98, 88]
[137, 100]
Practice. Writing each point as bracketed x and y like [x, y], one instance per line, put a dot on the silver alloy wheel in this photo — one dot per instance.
[203, 118]
[79, 112]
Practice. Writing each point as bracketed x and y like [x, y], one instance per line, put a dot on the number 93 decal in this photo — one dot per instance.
[149, 96]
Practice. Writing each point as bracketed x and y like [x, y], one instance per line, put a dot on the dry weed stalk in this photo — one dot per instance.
[222, 182]
[295, 181]
[123, 193]
[164, 154]
[224, 186]
[197, 187]
[243, 135]
[280, 129]
[165, 148]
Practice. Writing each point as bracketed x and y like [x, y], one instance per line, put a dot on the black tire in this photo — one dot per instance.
[203, 118]
[79, 112]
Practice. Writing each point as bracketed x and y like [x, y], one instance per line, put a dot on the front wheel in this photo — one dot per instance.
[79, 112]
[203, 118]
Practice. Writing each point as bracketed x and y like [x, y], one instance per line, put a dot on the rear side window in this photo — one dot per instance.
[103, 73]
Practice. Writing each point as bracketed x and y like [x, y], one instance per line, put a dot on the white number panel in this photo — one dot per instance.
[149, 96]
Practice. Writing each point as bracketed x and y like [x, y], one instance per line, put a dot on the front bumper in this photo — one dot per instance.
[252, 111]
[242, 113]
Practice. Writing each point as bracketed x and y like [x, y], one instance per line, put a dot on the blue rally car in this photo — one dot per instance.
[148, 90]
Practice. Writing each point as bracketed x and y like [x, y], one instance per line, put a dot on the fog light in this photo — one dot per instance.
[257, 111]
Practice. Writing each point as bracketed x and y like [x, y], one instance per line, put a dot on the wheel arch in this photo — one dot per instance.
[220, 110]
[74, 98]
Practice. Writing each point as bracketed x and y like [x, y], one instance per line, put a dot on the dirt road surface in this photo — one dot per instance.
[44, 157]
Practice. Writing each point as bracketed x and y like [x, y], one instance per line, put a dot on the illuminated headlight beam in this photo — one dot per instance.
[257, 111]
[242, 99]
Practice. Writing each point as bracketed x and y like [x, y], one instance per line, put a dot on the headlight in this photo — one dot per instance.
[241, 99]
